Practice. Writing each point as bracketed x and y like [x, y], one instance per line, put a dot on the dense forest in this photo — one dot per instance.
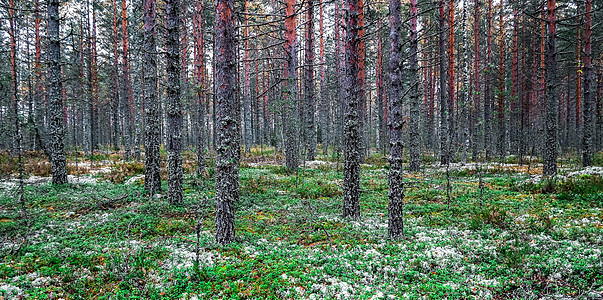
[283, 149]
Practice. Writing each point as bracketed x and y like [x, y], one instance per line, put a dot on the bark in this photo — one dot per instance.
[93, 85]
[309, 130]
[246, 87]
[487, 87]
[201, 87]
[14, 86]
[228, 140]
[56, 130]
[579, 73]
[126, 93]
[364, 137]
[414, 151]
[152, 117]
[395, 220]
[351, 129]
[39, 101]
[324, 100]
[290, 97]
[475, 118]
[550, 150]
[115, 109]
[451, 83]
[599, 108]
[382, 125]
[501, 89]
[587, 130]
[443, 89]
[515, 118]
[173, 104]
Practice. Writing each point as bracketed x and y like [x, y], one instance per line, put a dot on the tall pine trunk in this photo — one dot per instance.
[550, 146]
[56, 130]
[414, 151]
[351, 130]
[228, 125]
[395, 221]
[290, 112]
[309, 128]
[443, 89]
[587, 130]
[152, 180]
[173, 105]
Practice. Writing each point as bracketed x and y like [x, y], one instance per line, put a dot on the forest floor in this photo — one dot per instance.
[513, 236]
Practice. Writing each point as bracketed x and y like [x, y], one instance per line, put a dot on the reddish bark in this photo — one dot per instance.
[451, 68]
[578, 76]
[501, 86]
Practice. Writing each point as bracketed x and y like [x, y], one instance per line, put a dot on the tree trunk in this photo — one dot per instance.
[488, 88]
[550, 150]
[324, 99]
[246, 87]
[515, 118]
[451, 83]
[443, 89]
[381, 136]
[475, 118]
[351, 130]
[174, 107]
[115, 109]
[309, 128]
[587, 130]
[228, 139]
[201, 87]
[501, 89]
[395, 221]
[126, 94]
[152, 180]
[414, 139]
[290, 97]
[56, 130]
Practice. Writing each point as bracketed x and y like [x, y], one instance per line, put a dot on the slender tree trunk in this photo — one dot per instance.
[246, 86]
[579, 73]
[488, 88]
[501, 89]
[476, 86]
[310, 132]
[115, 109]
[228, 139]
[93, 86]
[351, 130]
[126, 94]
[550, 150]
[173, 104]
[381, 136]
[152, 117]
[55, 86]
[599, 108]
[290, 97]
[201, 87]
[324, 99]
[362, 112]
[444, 97]
[396, 185]
[451, 84]
[587, 131]
[515, 118]
[414, 139]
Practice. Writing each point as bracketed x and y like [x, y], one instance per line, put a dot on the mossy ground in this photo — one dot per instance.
[105, 240]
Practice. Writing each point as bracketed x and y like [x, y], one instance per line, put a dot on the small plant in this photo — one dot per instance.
[492, 215]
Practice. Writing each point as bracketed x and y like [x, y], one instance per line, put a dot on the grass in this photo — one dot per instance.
[109, 240]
